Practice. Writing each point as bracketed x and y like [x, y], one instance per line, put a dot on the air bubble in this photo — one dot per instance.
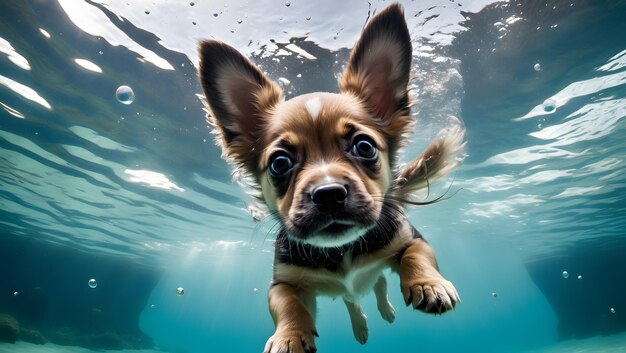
[239, 20]
[308, 18]
[287, 3]
[180, 291]
[255, 290]
[125, 94]
[215, 14]
[549, 105]
[612, 310]
[92, 283]
[565, 274]
[580, 277]
[15, 294]
[494, 294]
[147, 12]
[192, 3]
[537, 67]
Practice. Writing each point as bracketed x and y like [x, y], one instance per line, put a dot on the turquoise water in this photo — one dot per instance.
[137, 197]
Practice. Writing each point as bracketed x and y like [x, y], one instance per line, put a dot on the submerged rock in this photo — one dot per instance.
[32, 336]
[9, 329]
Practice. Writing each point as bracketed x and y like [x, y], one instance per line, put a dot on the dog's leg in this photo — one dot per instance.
[421, 283]
[295, 326]
[384, 305]
[359, 321]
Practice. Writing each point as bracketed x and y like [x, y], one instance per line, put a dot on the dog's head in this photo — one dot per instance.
[323, 161]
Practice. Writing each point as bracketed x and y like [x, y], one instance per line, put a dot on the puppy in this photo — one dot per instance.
[325, 166]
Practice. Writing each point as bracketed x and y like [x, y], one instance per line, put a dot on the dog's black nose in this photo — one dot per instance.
[329, 197]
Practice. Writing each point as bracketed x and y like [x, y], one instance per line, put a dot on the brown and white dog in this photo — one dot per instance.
[325, 164]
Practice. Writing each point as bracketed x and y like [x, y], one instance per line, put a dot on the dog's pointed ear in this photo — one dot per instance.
[240, 98]
[380, 63]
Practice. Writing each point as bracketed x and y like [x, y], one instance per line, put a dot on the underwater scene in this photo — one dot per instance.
[123, 229]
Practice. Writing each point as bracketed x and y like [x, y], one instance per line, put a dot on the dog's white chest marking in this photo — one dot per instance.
[314, 106]
[359, 280]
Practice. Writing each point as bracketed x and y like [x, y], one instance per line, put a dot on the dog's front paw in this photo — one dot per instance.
[433, 294]
[290, 341]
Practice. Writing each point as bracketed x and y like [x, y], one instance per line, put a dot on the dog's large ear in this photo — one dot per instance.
[240, 98]
[380, 63]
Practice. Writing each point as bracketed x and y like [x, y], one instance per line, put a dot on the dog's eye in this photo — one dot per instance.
[364, 147]
[280, 164]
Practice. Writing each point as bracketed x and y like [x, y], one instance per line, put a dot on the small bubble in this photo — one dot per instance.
[147, 12]
[255, 290]
[549, 105]
[565, 274]
[232, 31]
[580, 277]
[539, 126]
[215, 14]
[308, 18]
[299, 75]
[125, 94]
[612, 310]
[537, 67]
[180, 291]
[92, 283]
[287, 3]
[152, 306]
[192, 3]
[100, 52]
[193, 22]
[494, 294]
[239, 20]
[15, 294]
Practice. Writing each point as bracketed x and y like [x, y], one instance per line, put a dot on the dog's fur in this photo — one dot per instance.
[326, 167]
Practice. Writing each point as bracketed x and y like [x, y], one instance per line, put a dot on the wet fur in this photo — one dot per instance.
[253, 122]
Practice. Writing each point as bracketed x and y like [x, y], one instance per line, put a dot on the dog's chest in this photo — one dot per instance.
[358, 279]
[351, 280]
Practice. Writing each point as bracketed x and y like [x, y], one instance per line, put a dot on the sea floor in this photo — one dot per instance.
[24, 347]
[600, 344]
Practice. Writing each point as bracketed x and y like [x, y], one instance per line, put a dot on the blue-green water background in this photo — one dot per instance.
[137, 196]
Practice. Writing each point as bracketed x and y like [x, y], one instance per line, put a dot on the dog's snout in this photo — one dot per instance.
[329, 197]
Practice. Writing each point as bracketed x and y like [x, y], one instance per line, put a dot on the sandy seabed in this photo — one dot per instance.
[24, 347]
[599, 344]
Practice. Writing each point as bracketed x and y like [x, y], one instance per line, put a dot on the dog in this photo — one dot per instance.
[326, 167]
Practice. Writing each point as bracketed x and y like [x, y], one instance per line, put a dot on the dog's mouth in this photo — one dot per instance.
[333, 233]
[337, 227]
